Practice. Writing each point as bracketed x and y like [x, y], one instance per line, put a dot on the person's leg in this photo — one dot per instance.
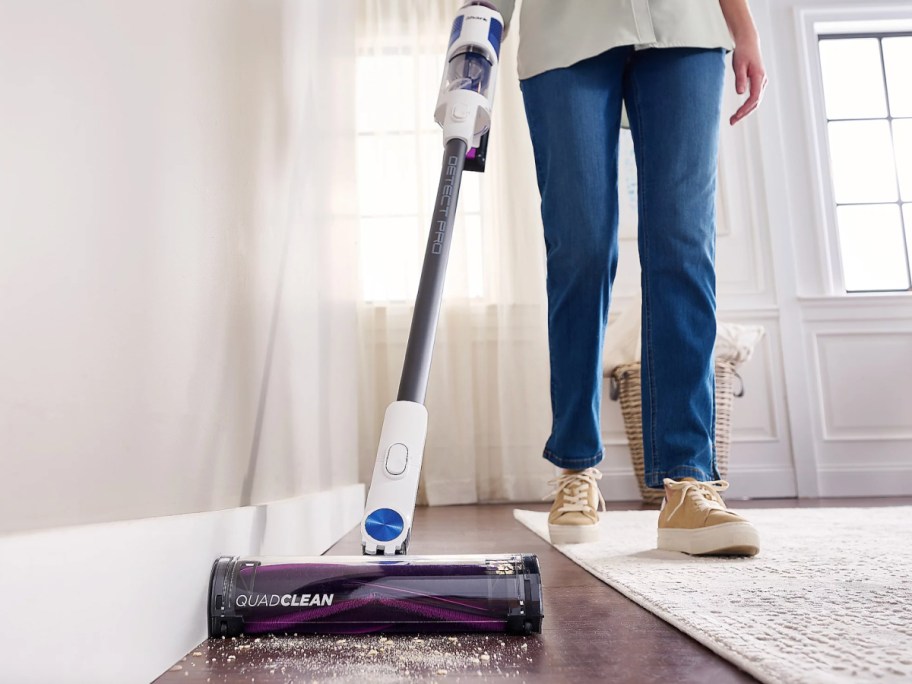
[673, 98]
[574, 118]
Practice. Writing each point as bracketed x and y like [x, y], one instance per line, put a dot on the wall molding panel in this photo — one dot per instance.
[863, 381]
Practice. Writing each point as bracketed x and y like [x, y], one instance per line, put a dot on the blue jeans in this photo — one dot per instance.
[673, 98]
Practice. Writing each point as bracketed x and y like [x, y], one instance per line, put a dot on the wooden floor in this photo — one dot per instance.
[590, 632]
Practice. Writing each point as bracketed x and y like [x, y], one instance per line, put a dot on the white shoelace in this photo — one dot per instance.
[705, 494]
[576, 490]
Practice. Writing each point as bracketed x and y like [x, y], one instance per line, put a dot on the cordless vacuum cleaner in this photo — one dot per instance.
[383, 590]
[464, 111]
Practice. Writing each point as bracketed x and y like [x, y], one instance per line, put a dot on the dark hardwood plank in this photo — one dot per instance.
[590, 632]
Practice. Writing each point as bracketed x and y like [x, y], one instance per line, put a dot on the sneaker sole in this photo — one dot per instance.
[728, 539]
[574, 534]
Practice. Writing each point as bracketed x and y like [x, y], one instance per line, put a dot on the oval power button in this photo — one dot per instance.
[396, 459]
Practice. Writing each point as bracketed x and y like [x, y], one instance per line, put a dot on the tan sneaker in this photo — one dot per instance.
[694, 520]
[574, 515]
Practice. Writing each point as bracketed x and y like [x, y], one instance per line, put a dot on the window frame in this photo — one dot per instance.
[829, 23]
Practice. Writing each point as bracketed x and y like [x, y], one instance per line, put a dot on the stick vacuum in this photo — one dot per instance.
[384, 590]
[464, 111]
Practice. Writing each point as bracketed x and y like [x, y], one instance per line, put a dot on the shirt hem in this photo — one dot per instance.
[536, 71]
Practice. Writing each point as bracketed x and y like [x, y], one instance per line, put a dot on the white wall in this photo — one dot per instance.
[848, 359]
[177, 308]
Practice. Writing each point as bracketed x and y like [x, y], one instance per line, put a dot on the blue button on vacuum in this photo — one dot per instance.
[384, 524]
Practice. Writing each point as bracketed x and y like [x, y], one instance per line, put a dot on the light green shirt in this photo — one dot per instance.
[558, 33]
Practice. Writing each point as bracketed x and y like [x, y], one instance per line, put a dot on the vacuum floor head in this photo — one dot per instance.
[359, 595]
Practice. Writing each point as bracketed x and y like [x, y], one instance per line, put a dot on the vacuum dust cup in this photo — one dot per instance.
[467, 89]
[360, 595]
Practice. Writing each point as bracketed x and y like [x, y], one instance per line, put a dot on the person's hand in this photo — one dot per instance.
[750, 76]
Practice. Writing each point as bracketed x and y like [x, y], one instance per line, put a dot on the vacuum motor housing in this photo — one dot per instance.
[466, 94]
[363, 594]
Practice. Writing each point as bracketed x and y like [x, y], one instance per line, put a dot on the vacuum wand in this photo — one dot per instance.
[464, 113]
[417, 366]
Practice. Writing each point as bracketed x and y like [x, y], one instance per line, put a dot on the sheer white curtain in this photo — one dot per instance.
[488, 396]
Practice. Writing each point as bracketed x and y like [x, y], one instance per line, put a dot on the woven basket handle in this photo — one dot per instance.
[740, 392]
[614, 389]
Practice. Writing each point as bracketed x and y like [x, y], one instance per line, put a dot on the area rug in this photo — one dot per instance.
[829, 598]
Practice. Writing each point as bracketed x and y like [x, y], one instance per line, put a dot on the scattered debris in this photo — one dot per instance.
[370, 657]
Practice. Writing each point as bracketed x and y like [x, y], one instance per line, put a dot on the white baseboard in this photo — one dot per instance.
[619, 484]
[121, 602]
[873, 480]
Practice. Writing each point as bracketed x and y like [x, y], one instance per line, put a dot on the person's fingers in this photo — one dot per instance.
[741, 79]
[742, 112]
[758, 81]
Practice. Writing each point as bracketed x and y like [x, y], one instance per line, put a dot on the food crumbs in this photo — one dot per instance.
[197, 654]
[177, 668]
[485, 656]
[441, 672]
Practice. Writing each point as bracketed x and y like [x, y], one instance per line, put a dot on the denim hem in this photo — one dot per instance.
[655, 480]
[572, 463]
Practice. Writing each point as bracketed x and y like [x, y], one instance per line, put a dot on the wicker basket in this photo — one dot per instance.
[625, 386]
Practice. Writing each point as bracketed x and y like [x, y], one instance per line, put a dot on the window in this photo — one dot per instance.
[399, 152]
[868, 103]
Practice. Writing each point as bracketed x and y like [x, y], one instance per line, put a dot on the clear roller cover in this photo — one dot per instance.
[364, 594]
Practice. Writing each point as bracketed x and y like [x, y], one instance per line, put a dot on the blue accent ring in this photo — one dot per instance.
[384, 524]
